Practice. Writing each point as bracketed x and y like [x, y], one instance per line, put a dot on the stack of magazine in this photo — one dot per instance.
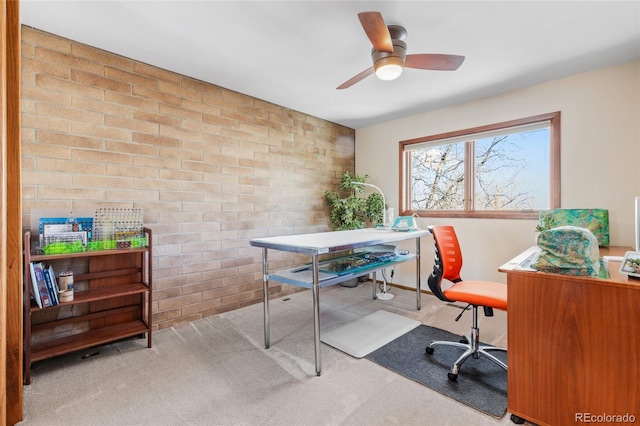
[44, 284]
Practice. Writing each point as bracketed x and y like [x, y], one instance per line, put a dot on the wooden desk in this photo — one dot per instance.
[573, 346]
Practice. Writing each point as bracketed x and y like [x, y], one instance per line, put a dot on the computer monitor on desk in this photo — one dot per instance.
[638, 224]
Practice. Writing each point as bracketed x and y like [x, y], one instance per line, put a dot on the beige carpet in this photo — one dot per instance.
[216, 371]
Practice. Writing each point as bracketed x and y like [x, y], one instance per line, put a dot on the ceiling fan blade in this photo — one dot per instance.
[353, 80]
[376, 30]
[433, 61]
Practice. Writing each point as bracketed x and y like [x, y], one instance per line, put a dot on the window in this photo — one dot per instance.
[504, 170]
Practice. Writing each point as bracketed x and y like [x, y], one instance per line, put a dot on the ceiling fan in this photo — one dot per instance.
[389, 52]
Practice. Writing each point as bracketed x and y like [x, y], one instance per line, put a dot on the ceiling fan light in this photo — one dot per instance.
[388, 68]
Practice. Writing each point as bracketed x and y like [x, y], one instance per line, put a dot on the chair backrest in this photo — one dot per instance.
[448, 260]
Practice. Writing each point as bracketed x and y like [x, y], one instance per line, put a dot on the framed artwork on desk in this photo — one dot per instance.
[630, 265]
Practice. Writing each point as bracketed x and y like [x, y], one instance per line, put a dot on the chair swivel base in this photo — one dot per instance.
[472, 349]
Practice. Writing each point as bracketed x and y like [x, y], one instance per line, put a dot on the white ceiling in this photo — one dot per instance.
[295, 53]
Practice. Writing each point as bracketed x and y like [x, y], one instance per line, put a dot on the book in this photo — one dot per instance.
[40, 284]
[35, 292]
[54, 282]
[51, 284]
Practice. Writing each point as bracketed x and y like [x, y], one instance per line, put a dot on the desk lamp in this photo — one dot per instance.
[383, 295]
[384, 203]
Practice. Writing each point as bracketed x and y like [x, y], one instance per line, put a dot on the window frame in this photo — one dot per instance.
[554, 171]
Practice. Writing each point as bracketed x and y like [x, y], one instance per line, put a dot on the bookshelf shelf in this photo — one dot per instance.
[98, 294]
[112, 301]
[80, 341]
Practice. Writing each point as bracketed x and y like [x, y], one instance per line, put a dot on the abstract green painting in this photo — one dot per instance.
[596, 220]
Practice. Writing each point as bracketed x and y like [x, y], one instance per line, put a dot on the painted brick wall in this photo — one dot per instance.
[211, 168]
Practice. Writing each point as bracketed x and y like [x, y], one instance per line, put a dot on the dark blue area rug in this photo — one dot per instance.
[481, 383]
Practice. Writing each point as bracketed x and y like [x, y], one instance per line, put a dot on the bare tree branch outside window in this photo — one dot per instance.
[437, 178]
[506, 173]
[495, 171]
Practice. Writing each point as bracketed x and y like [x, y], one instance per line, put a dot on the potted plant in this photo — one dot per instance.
[349, 210]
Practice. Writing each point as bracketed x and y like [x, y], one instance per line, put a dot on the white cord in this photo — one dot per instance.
[383, 289]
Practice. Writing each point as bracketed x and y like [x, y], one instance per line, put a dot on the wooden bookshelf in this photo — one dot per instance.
[112, 301]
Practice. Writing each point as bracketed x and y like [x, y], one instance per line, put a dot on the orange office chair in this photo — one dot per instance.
[489, 295]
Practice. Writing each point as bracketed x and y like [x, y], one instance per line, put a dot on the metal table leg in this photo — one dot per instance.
[374, 283]
[265, 295]
[316, 311]
[418, 292]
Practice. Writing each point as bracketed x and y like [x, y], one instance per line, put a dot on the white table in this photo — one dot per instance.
[321, 243]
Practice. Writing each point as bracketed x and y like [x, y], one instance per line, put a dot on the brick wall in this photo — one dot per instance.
[211, 168]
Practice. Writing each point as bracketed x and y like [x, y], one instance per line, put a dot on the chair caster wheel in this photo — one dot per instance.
[452, 377]
[517, 420]
[464, 340]
[429, 350]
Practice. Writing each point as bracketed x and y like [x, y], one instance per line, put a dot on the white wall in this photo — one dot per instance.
[600, 153]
